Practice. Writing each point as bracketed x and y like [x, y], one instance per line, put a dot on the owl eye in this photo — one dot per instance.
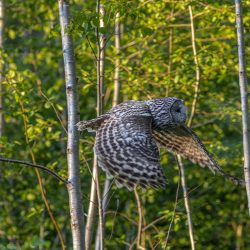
[178, 110]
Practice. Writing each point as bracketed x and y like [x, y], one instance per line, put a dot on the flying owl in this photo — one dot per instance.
[128, 137]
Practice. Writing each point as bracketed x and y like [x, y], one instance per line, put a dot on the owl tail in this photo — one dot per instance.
[93, 124]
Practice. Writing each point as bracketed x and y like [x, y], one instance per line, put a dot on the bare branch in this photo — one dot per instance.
[197, 68]
[45, 169]
[92, 208]
[174, 211]
[117, 85]
[186, 201]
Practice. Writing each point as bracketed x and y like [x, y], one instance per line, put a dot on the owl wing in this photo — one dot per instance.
[127, 151]
[183, 141]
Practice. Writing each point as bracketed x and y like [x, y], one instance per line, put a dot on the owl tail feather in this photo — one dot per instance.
[93, 124]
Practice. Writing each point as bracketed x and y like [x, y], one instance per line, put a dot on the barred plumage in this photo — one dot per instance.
[127, 138]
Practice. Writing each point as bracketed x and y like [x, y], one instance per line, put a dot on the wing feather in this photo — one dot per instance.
[183, 141]
[127, 151]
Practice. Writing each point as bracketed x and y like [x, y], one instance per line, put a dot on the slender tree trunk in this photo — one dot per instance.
[75, 200]
[140, 221]
[117, 86]
[95, 186]
[170, 51]
[115, 101]
[244, 97]
[92, 207]
[194, 104]
[100, 97]
[186, 201]
[1, 68]
[197, 68]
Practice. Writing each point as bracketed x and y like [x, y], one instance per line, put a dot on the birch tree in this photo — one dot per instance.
[75, 201]
[244, 96]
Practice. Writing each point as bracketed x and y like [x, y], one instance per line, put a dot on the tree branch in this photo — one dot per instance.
[197, 68]
[186, 201]
[45, 169]
[174, 211]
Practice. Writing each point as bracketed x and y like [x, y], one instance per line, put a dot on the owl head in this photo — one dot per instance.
[167, 112]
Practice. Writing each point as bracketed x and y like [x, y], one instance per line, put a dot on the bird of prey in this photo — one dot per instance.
[128, 137]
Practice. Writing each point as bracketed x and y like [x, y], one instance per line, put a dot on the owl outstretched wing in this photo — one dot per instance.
[127, 151]
[183, 141]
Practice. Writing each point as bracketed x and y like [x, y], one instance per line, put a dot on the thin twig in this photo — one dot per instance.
[174, 211]
[113, 224]
[170, 51]
[151, 224]
[54, 108]
[117, 61]
[194, 104]
[186, 201]
[100, 212]
[92, 207]
[197, 68]
[122, 215]
[35, 166]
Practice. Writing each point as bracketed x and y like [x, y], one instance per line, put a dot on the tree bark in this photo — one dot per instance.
[244, 96]
[74, 190]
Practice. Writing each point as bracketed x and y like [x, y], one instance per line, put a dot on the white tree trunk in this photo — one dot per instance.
[75, 201]
[244, 97]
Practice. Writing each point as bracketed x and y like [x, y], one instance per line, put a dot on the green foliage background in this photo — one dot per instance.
[35, 117]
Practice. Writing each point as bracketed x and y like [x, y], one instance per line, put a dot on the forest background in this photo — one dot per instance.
[156, 59]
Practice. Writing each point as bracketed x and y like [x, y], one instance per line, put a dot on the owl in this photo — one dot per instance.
[128, 138]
